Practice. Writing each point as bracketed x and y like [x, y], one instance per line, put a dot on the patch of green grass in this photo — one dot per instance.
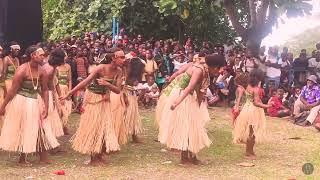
[278, 158]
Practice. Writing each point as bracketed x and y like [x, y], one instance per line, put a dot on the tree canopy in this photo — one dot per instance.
[252, 20]
[200, 19]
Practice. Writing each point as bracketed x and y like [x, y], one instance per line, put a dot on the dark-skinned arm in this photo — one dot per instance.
[45, 91]
[257, 101]
[84, 83]
[17, 78]
[114, 88]
[180, 71]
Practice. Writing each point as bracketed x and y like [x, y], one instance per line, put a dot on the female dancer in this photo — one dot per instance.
[182, 123]
[25, 129]
[55, 59]
[250, 124]
[65, 84]
[10, 64]
[96, 134]
[2, 84]
[134, 71]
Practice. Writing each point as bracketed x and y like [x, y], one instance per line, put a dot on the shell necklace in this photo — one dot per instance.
[35, 87]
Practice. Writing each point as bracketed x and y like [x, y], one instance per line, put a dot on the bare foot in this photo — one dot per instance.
[175, 151]
[95, 163]
[57, 150]
[196, 161]
[136, 139]
[251, 156]
[24, 163]
[46, 161]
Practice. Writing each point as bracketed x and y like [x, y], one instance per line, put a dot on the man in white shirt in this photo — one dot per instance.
[273, 65]
[314, 65]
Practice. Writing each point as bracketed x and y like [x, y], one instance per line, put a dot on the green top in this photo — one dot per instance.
[98, 89]
[10, 72]
[181, 82]
[63, 77]
[28, 90]
[242, 100]
[248, 98]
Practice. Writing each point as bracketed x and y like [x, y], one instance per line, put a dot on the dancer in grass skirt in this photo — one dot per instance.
[250, 125]
[182, 123]
[96, 134]
[25, 129]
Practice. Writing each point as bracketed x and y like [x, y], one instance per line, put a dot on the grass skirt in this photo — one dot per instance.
[1, 101]
[183, 128]
[250, 115]
[118, 109]
[160, 105]
[54, 118]
[96, 129]
[66, 108]
[132, 118]
[22, 129]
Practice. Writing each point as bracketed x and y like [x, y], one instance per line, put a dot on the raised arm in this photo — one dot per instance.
[85, 82]
[180, 71]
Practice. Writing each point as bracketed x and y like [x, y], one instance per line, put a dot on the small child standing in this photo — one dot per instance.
[241, 81]
[250, 124]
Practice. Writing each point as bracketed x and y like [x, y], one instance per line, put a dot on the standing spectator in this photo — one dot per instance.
[287, 70]
[273, 64]
[300, 66]
[309, 100]
[82, 65]
[73, 65]
[314, 65]
[151, 66]
[179, 62]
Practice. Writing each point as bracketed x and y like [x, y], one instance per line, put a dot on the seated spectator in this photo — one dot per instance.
[277, 109]
[309, 100]
[293, 97]
[146, 88]
[152, 96]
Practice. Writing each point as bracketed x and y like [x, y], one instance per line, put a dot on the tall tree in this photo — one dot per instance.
[260, 16]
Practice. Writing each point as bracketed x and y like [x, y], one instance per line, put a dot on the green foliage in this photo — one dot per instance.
[200, 19]
[62, 18]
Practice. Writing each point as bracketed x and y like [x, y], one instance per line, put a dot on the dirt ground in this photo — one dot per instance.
[281, 156]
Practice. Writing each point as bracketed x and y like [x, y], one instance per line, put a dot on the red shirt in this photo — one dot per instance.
[276, 106]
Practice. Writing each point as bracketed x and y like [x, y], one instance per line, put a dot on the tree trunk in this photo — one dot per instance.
[253, 46]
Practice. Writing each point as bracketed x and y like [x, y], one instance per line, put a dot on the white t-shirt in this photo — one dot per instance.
[312, 63]
[154, 95]
[147, 87]
[271, 71]
[178, 65]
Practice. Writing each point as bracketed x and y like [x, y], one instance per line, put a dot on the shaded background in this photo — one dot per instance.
[21, 21]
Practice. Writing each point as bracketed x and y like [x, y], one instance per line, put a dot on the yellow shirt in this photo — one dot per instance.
[149, 68]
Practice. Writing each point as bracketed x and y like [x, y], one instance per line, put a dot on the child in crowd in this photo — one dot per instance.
[241, 82]
[145, 89]
[152, 96]
[179, 62]
[277, 109]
